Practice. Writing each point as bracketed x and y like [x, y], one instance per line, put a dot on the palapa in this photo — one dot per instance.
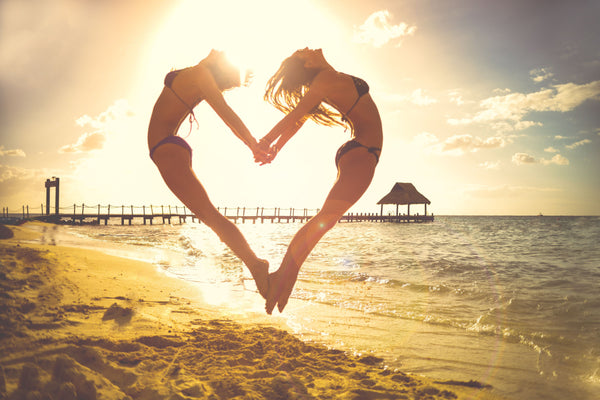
[404, 193]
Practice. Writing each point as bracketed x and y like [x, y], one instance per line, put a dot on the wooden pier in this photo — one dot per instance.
[97, 215]
[401, 193]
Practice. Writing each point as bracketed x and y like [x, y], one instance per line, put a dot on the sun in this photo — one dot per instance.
[255, 35]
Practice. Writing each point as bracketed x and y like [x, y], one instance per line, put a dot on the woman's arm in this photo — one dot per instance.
[285, 129]
[286, 135]
[213, 96]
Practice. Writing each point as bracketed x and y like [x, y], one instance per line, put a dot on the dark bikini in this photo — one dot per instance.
[362, 88]
[178, 140]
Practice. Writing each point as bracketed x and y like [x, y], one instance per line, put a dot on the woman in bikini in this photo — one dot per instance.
[183, 90]
[306, 87]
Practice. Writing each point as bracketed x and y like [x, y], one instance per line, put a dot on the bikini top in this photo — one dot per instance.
[169, 78]
[362, 88]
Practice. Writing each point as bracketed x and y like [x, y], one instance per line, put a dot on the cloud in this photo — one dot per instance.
[378, 30]
[21, 186]
[456, 98]
[12, 152]
[506, 112]
[119, 109]
[524, 158]
[419, 98]
[578, 144]
[490, 165]
[86, 142]
[557, 160]
[102, 124]
[458, 145]
[469, 144]
[540, 74]
[550, 150]
[8, 173]
[425, 139]
[499, 91]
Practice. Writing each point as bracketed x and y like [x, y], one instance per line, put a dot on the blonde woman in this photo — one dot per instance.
[306, 87]
[183, 90]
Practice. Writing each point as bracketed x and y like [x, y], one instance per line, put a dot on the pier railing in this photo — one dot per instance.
[147, 214]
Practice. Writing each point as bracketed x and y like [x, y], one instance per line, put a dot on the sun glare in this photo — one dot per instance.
[255, 36]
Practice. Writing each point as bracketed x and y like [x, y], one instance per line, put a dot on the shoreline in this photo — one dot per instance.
[79, 323]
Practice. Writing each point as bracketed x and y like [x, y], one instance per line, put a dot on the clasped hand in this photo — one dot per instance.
[264, 153]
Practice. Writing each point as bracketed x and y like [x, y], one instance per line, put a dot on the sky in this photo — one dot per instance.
[488, 107]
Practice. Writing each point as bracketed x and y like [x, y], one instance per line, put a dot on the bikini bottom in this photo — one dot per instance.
[353, 144]
[178, 140]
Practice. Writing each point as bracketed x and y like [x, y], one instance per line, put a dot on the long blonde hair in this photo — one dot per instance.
[290, 83]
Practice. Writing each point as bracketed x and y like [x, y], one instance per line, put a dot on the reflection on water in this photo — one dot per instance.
[510, 301]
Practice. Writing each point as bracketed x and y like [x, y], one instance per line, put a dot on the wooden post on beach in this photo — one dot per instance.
[56, 195]
[55, 182]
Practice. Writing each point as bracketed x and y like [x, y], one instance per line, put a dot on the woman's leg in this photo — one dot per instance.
[355, 172]
[174, 164]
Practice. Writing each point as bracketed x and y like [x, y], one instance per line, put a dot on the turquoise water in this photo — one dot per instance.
[513, 302]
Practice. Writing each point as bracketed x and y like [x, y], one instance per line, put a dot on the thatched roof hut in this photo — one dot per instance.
[404, 193]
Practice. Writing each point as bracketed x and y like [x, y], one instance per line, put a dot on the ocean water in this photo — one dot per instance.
[512, 302]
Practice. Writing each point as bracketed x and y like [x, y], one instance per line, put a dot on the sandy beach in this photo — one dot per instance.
[81, 324]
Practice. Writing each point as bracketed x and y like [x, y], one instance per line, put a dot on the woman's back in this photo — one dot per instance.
[354, 103]
[176, 101]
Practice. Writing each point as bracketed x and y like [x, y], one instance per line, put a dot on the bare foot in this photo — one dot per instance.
[282, 285]
[273, 293]
[286, 286]
[260, 273]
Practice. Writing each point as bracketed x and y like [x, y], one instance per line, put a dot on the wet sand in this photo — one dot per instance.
[81, 324]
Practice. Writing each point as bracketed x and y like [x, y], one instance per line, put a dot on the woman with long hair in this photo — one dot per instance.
[183, 90]
[306, 87]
